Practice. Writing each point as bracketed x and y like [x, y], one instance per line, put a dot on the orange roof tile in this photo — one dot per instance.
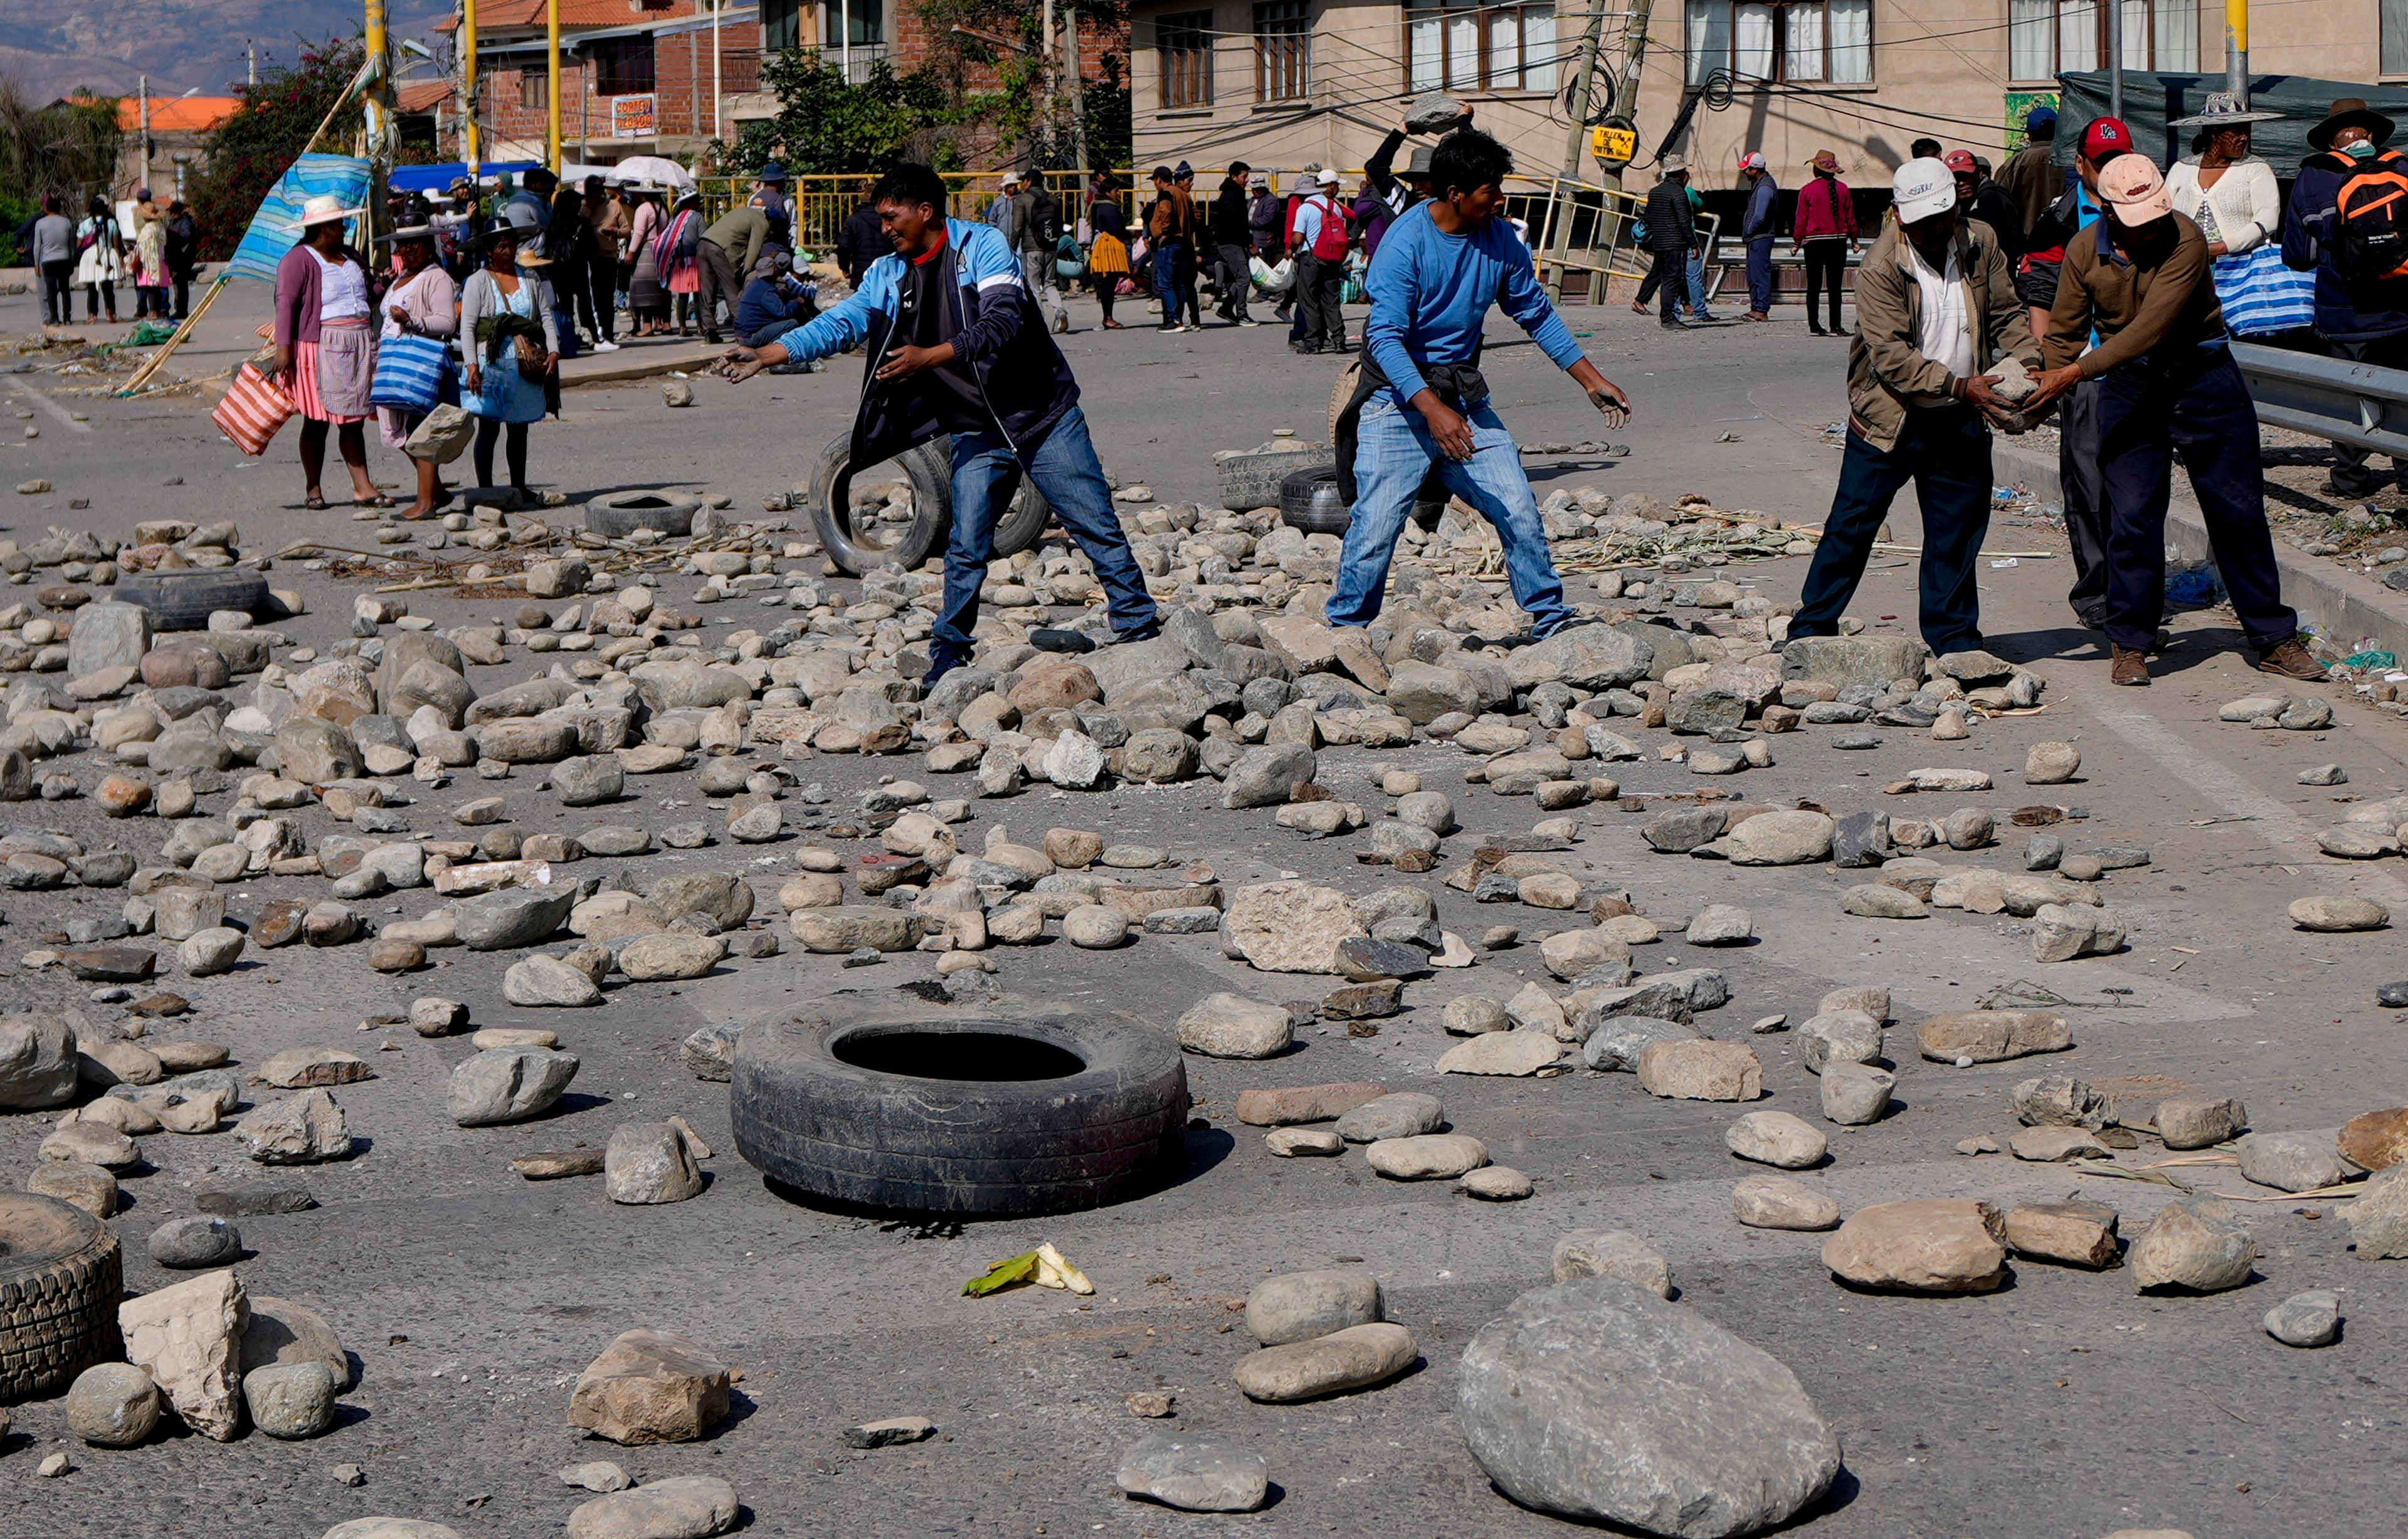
[176, 114]
[422, 96]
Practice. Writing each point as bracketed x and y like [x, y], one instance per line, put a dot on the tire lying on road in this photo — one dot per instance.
[1310, 500]
[619, 514]
[62, 1277]
[894, 1110]
[1249, 481]
[183, 601]
[858, 548]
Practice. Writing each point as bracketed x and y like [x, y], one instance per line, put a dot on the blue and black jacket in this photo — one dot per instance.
[999, 342]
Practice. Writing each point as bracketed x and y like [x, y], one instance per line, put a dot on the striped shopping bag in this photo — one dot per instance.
[254, 410]
[409, 373]
[2261, 296]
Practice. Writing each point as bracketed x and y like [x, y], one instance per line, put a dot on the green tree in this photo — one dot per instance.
[825, 125]
[1016, 113]
[69, 149]
[244, 155]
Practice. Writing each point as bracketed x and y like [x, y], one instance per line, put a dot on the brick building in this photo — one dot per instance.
[666, 76]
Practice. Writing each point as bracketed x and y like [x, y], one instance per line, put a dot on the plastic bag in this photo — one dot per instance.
[1274, 280]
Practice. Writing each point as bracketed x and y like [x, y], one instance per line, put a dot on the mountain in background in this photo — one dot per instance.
[48, 50]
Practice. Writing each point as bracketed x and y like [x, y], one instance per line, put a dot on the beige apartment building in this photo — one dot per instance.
[1279, 83]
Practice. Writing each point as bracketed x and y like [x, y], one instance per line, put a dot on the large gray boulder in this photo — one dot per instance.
[508, 1085]
[512, 916]
[314, 751]
[1596, 1399]
[1846, 661]
[108, 635]
[37, 1063]
[1586, 657]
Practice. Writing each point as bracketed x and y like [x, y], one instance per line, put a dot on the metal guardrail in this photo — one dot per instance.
[2354, 404]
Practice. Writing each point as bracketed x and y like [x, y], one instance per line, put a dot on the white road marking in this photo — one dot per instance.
[51, 407]
[2285, 831]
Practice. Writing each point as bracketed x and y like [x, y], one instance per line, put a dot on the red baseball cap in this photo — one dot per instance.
[1962, 159]
[2105, 137]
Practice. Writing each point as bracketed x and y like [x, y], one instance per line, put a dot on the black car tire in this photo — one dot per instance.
[861, 1134]
[617, 514]
[184, 601]
[1310, 500]
[62, 1277]
[929, 469]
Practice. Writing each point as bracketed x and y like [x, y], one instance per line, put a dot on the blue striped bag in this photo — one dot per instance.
[2262, 296]
[410, 373]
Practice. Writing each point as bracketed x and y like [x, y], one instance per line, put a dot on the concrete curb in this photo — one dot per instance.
[613, 368]
[2350, 609]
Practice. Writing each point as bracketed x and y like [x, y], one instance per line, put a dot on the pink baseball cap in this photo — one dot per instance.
[2135, 190]
[1751, 162]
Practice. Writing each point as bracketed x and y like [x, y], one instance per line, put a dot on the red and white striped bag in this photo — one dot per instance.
[254, 410]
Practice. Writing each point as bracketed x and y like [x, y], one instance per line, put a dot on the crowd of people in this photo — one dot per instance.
[480, 297]
[2118, 287]
[1307, 249]
[157, 257]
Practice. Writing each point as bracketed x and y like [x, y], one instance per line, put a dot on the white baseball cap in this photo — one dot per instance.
[1922, 188]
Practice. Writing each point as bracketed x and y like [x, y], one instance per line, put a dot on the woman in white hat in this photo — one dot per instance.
[325, 347]
[2229, 192]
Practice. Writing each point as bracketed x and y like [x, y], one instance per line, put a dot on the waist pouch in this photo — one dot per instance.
[1454, 384]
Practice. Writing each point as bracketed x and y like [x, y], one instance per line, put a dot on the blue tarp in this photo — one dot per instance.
[434, 178]
[277, 224]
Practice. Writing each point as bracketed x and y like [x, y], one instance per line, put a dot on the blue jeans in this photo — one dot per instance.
[1394, 454]
[1759, 274]
[1946, 451]
[1697, 284]
[1069, 475]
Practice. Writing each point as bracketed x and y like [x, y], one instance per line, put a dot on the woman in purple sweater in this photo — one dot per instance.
[325, 347]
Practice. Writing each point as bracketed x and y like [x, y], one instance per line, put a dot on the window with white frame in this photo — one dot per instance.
[2049, 37]
[1282, 50]
[2395, 37]
[1810, 41]
[1453, 47]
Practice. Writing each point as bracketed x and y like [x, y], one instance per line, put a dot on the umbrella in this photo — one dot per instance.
[653, 170]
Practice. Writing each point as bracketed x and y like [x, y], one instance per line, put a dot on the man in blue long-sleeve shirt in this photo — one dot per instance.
[1444, 262]
[1758, 227]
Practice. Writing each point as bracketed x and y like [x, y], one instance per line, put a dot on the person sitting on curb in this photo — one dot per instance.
[2140, 279]
[956, 344]
[1936, 306]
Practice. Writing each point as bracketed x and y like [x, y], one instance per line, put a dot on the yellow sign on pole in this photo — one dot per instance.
[1614, 147]
[551, 22]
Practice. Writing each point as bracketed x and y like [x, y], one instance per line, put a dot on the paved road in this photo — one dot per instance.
[2062, 1407]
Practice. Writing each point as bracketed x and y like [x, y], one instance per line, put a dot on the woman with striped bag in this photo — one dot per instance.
[414, 373]
[325, 347]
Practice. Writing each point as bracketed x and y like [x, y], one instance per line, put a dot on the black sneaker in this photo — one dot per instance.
[1053, 639]
[1146, 632]
[940, 662]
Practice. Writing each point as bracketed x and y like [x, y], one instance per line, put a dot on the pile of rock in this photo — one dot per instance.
[216, 1360]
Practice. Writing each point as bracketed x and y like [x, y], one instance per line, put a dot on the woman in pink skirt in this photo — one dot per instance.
[325, 347]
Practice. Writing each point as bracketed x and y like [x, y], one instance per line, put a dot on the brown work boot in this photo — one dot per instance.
[2292, 660]
[2131, 666]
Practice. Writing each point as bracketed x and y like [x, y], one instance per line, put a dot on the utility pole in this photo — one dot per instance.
[1584, 74]
[250, 62]
[469, 86]
[2236, 49]
[376, 107]
[551, 89]
[716, 7]
[1045, 77]
[1625, 105]
[2116, 57]
[1077, 95]
[143, 84]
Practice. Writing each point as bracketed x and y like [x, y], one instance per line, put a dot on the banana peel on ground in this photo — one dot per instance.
[1044, 1266]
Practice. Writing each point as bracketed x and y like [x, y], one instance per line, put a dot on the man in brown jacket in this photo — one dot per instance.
[2140, 278]
[1935, 307]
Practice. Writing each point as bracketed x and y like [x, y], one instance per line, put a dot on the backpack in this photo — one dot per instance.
[1331, 243]
[2370, 222]
[1048, 219]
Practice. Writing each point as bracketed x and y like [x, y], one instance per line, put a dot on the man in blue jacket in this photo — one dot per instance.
[1445, 261]
[956, 344]
[2365, 322]
[1758, 227]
